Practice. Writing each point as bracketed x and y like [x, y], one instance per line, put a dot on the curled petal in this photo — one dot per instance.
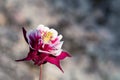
[55, 61]
[63, 55]
[60, 37]
[54, 32]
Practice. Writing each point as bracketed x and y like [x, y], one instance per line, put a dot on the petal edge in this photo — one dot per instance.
[55, 61]
[63, 55]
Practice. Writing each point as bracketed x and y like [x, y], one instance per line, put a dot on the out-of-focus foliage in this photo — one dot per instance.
[91, 34]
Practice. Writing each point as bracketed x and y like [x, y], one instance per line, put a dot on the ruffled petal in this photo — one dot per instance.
[63, 55]
[53, 60]
[54, 32]
[57, 39]
[42, 28]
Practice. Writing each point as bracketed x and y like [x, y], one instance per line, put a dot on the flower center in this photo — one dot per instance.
[47, 37]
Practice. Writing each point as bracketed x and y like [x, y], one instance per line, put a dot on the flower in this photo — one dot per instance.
[45, 45]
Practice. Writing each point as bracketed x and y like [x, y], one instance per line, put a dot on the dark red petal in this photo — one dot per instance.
[24, 33]
[31, 55]
[24, 59]
[40, 59]
[55, 61]
[63, 55]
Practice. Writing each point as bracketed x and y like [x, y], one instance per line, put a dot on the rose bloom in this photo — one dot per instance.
[44, 46]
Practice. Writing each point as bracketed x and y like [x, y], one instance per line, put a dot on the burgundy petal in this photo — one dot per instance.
[24, 59]
[31, 55]
[63, 55]
[55, 61]
[40, 59]
[24, 33]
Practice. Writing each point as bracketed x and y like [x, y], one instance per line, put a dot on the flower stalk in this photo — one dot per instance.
[40, 76]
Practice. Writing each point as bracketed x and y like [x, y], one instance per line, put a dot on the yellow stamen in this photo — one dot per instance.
[47, 37]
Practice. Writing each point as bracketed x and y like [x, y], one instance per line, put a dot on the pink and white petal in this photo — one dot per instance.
[57, 39]
[60, 37]
[59, 45]
[54, 32]
[58, 52]
[55, 61]
[42, 28]
[63, 55]
[54, 41]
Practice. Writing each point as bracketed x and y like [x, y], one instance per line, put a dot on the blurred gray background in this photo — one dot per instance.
[91, 30]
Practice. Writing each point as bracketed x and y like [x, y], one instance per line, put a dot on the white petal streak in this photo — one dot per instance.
[43, 51]
[59, 45]
[57, 52]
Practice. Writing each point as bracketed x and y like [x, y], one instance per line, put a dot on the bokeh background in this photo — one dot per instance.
[91, 30]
